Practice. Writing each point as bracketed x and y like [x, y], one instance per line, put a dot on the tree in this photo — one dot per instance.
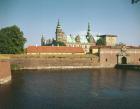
[11, 40]
[134, 1]
[100, 41]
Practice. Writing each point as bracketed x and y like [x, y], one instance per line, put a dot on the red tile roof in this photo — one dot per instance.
[54, 49]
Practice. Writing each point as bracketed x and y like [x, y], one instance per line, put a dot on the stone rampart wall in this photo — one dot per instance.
[5, 72]
[46, 63]
[108, 57]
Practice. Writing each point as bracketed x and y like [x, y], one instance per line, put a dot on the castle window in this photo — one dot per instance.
[139, 59]
[106, 59]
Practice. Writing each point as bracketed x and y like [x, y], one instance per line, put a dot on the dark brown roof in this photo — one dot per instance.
[100, 46]
[107, 35]
[54, 49]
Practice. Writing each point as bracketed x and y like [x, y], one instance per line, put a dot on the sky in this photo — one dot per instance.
[37, 17]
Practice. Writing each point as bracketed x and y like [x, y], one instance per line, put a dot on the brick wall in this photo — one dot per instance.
[5, 72]
[36, 63]
[134, 56]
[108, 56]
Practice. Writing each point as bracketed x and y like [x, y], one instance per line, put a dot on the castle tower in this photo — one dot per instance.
[58, 28]
[42, 41]
[60, 35]
[58, 31]
[89, 35]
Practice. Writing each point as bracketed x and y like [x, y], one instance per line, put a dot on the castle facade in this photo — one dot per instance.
[71, 40]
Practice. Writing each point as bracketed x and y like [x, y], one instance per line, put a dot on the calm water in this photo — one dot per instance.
[72, 89]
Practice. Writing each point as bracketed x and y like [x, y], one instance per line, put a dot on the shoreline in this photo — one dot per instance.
[70, 67]
[5, 80]
[63, 67]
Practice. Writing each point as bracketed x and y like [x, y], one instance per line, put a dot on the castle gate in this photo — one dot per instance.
[123, 57]
[124, 60]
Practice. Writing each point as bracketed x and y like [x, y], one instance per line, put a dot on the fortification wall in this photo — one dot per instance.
[134, 56]
[109, 58]
[5, 72]
[48, 63]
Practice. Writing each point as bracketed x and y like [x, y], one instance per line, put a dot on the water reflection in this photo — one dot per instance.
[123, 79]
[72, 89]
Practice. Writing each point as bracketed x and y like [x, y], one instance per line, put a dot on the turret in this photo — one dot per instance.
[60, 35]
[89, 35]
[42, 41]
[58, 30]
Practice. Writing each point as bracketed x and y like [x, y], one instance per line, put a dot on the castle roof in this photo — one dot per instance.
[71, 39]
[54, 49]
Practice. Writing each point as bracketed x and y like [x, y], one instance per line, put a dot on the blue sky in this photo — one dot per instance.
[36, 17]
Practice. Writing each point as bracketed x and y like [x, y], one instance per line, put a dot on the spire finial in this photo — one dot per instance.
[88, 26]
[58, 23]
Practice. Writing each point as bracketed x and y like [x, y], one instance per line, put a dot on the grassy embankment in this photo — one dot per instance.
[4, 57]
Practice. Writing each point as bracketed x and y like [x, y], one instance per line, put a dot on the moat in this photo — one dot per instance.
[72, 89]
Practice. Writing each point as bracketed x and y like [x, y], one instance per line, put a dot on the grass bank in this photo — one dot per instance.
[4, 57]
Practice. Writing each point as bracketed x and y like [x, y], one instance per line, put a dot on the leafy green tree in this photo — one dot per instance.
[100, 41]
[134, 1]
[11, 40]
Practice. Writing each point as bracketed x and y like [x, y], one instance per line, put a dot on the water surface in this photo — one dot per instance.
[72, 89]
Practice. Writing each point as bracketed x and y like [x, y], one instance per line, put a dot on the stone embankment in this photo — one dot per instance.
[128, 66]
[54, 63]
[5, 71]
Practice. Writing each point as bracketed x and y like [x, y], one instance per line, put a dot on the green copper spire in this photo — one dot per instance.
[89, 35]
[88, 31]
[58, 24]
[88, 27]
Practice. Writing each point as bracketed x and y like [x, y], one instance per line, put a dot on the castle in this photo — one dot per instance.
[71, 41]
[85, 41]
[109, 52]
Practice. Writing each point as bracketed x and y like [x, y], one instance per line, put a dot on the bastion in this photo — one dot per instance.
[5, 71]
